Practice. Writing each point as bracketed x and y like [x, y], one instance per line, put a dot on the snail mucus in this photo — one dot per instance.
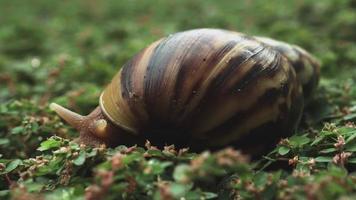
[203, 89]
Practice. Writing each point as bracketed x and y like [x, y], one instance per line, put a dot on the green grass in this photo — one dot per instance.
[67, 51]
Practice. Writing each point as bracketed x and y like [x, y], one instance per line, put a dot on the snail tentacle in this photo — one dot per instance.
[72, 118]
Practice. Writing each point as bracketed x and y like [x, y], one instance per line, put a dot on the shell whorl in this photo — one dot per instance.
[307, 67]
[203, 83]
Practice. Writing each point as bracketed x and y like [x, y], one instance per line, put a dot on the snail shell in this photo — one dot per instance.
[203, 88]
[306, 66]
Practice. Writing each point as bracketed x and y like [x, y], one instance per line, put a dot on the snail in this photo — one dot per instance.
[202, 88]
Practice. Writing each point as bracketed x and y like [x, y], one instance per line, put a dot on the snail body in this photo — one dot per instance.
[203, 88]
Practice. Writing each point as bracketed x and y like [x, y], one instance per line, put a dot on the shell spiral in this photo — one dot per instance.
[206, 87]
[306, 66]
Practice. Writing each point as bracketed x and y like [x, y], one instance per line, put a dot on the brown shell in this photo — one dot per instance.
[208, 87]
[306, 66]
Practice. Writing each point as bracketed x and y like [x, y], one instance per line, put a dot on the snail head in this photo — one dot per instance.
[94, 128]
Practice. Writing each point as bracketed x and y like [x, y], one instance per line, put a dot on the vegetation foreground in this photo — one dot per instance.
[66, 52]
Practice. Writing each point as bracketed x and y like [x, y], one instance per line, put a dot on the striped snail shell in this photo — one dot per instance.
[305, 65]
[203, 88]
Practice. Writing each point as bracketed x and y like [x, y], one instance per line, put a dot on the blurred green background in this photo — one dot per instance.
[67, 51]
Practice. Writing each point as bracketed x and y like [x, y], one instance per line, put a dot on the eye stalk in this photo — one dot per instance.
[72, 118]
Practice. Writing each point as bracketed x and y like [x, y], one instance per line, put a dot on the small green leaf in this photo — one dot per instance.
[157, 167]
[210, 195]
[323, 159]
[34, 186]
[80, 159]
[11, 166]
[260, 179]
[349, 117]
[154, 152]
[299, 141]
[50, 168]
[283, 150]
[92, 153]
[132, 157]
[351, 147]
[17, 130]
[4, 141]
[4, 193]
[49, 144]
[181, 173]
[74, 146]
[317, 140]
[35, 127]
[352, 137]
[179, 190]
[329, 150]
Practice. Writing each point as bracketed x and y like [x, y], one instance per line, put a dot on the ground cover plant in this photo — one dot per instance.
[67, 51]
